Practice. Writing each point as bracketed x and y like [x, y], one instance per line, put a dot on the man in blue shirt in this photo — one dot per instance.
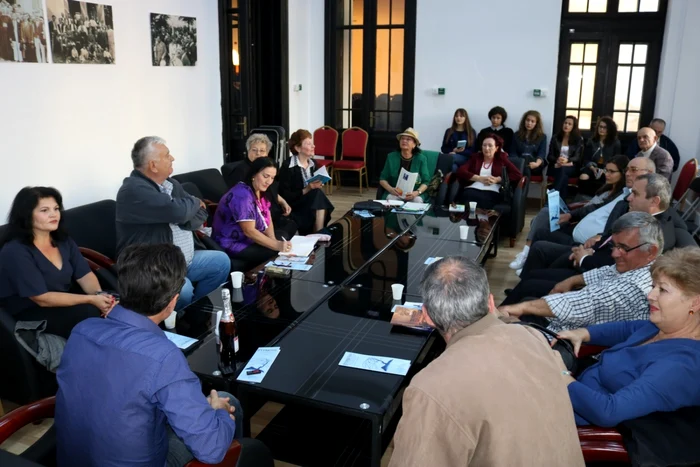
[126, 394]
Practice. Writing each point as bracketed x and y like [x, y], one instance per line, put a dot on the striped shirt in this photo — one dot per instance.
[181, 238]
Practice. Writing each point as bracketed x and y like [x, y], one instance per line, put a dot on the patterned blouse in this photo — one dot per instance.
[237, 205]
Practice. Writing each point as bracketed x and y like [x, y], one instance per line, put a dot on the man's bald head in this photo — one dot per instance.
[636, 167]
[646, 137]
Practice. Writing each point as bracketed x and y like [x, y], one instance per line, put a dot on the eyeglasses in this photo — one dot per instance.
[608, 171]
[627, 249]
[602, 127]
[258, 151]
[634, 170]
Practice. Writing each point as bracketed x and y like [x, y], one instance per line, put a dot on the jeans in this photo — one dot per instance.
[207, 271]
[459, 159]
[179, 455]
[561, 179]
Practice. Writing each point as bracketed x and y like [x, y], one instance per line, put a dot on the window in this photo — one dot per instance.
[638, 6]
[588, 6]
[582, 73]
[629, 85]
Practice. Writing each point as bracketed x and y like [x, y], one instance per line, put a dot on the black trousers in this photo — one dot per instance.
[542, 255]
[59, 320]
[255, 254]
[484, 199]
[531, 288]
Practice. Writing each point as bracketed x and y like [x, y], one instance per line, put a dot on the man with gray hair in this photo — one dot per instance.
[460, 409]
[647, 139]
[659, 127]
[610, 293]
[153, 208]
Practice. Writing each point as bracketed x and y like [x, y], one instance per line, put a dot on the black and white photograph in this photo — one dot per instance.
[22, 31]
[81, 32]
[173, 40]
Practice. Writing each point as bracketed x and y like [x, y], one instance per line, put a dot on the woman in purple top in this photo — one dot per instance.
[242, 223]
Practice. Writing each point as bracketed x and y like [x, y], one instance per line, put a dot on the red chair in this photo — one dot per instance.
[326, 141]
[354, 155]
[45, 408]
[688, 173]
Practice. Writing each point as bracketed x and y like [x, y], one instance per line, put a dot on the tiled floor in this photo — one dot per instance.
[500, 278]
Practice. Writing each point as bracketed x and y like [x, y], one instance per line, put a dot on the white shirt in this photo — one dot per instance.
[647, 153]
[485, 172]
[594, 223]
[564, 151]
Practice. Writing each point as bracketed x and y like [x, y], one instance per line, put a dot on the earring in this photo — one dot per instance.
[691, 312]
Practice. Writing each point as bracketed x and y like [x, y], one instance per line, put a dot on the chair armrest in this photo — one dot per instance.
[587, 350]
[96, 257]
[23, 416]
[604, 451]
[597, 433]
[230, 459]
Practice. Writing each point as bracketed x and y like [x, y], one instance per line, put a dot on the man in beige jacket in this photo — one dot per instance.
[496, 397]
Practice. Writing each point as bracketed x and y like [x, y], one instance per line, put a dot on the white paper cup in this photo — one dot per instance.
[397, 291]
[472, 206]
[237, 295]
[237, 279]
[463, 232]
[170, 320]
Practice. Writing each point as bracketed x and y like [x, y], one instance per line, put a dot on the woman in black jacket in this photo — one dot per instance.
[565, 152]
[311, 209]
[599, 150]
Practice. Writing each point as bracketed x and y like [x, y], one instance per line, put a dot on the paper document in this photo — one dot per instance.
[183, 342]
[364, 214]
[320, 175]
[412, 208]
[291, 265]
[395, 366]
[432, 259]
[389, 202]
[407, 182]
[457, 208]
[259, 365]
[554, 209]
[301, 246]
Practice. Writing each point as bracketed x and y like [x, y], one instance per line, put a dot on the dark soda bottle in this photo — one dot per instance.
[228, 333]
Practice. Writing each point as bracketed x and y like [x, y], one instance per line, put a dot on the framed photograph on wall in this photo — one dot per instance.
[23, 32]
[81, 32]
[173, 40]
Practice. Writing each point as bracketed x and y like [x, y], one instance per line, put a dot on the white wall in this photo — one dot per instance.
[678, 93]
[73, 126]
[484, 55]
[306, 64]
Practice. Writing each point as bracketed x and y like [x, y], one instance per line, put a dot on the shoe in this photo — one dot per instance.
[518, 272]
[519, 260]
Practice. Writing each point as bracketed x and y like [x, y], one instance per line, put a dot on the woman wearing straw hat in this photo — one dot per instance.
[408, 157]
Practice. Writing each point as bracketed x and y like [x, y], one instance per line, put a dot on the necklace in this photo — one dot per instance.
[487, 166]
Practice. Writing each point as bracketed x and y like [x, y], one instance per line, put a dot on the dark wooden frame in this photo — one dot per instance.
[606, 28]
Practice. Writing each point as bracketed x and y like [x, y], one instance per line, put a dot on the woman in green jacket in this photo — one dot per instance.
[409, 157]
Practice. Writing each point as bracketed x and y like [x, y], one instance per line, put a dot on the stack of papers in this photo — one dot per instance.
[389, 202]
[457, 208]
[301, 246]
[183, 342]
[412, 208]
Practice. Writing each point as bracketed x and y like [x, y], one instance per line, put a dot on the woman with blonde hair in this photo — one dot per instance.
[651, 366]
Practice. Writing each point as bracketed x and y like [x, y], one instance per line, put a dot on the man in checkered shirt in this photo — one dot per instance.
[611, 293]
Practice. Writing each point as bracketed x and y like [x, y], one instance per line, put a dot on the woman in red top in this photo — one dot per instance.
[483, 172]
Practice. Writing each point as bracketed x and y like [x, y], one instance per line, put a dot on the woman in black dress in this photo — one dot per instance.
[311, 209]
[42, 273]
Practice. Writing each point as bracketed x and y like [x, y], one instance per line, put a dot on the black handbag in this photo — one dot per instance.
[563, 346]
[506, 192]
[371, 206]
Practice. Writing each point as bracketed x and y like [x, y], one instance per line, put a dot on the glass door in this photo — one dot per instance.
[370, 78]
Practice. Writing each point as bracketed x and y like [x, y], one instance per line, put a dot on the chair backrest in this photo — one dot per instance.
[230, 173]
[432, 158]
[93, 226]
[355, 143]
[326, 141]
[688, 173]
[209, 181]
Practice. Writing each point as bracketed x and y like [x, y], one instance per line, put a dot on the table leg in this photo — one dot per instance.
[376, 442]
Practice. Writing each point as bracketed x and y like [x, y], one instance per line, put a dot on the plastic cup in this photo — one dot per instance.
[237, 295]
[397, 291]
[463, 232]
[236, 279]
[472, 206]
[170, 320]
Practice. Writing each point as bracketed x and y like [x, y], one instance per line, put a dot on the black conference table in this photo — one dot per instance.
[342, 304]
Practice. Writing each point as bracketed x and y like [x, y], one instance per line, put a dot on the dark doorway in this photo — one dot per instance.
[370, 59]
[609, 56]
[254, 71]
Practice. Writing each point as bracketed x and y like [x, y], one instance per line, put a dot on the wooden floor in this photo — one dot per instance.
[500, 278]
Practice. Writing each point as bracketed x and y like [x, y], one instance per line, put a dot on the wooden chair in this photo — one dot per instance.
[326, 141]
[354, 155]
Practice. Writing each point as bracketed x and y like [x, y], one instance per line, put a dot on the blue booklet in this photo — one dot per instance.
[320, 175]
